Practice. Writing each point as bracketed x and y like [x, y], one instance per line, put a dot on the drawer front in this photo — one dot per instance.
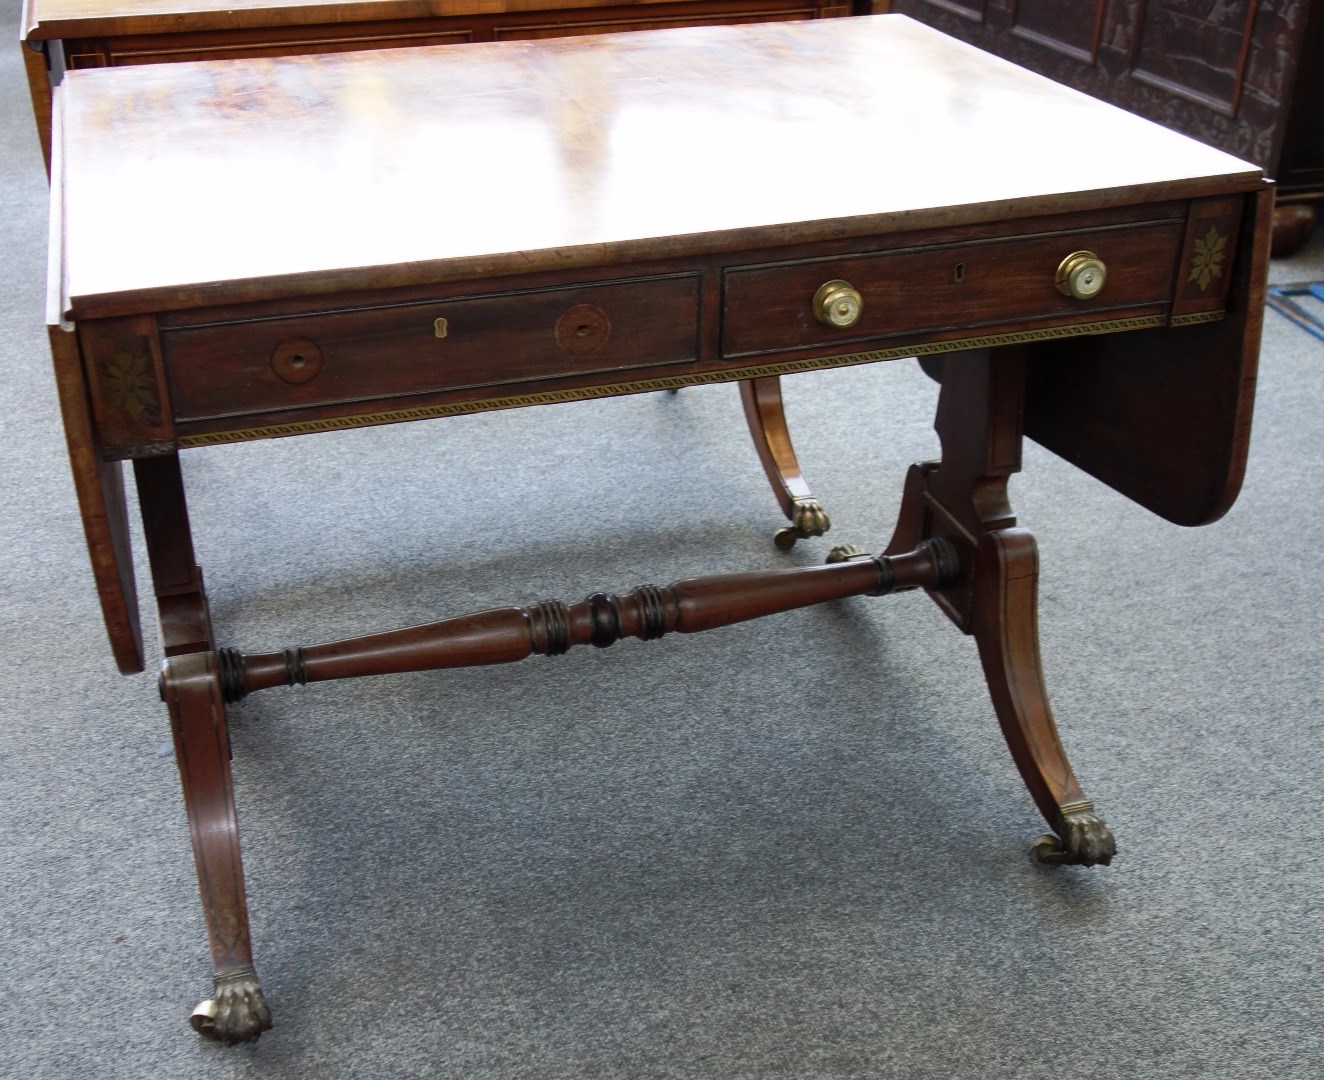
[566, 25]
[266, 41]
[392, 351]
[982, 284]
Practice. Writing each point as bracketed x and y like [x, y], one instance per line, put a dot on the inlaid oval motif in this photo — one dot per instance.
[296, 360]
[583, 329]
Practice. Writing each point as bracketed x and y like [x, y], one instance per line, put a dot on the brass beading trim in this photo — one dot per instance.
[675, 382]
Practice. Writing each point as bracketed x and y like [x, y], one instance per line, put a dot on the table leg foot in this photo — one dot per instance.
[1005, 625]
[808, 518]
[238, 1013]
[766, 415]
[190, 686]
[1085, 841]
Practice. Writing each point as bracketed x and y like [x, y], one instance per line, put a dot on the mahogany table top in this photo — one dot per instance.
[236, 180]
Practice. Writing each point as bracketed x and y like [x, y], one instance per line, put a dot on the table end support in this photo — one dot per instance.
[1004, 621]
[237, 1012]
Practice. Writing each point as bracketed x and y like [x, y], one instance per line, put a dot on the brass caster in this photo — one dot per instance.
[238, 1013]
[203, 1018]
[810, 519]
[847, 553]
[1046, 850]
[1085, 841]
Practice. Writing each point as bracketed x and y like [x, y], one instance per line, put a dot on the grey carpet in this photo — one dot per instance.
[791, 849]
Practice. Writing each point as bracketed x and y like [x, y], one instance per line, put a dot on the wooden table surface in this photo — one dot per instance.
[408, 165]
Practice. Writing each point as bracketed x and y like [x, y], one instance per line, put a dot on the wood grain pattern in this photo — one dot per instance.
[391, 351]
[81, 35]
[912, 291]
[78, 18]
[590, 147]
[551, 628]
[1164, 417]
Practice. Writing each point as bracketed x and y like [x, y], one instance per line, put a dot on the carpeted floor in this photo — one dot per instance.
[795, 848]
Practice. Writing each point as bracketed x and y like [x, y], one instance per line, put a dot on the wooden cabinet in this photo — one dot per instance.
[1243, 75]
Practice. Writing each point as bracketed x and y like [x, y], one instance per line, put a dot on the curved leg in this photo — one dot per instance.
[1005, 626]
[191, 690]
[762, 399]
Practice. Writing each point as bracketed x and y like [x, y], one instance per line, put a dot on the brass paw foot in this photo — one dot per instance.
[810, 520]
[238, 1013]
[847, 553]
[1085, 841]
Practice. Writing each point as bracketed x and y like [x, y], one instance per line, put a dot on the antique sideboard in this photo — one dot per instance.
[1096, 283]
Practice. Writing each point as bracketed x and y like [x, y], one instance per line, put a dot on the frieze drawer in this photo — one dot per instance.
[824, 302]
[397, 350]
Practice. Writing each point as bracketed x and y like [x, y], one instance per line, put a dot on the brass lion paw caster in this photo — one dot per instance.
[238, 1013]
[1085, 841]
[810, 519]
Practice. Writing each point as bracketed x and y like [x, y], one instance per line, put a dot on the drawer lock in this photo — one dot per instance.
[837, 303]
[1081, 275]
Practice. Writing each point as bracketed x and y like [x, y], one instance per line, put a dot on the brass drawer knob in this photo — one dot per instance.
[838, 304]
[1081, 274]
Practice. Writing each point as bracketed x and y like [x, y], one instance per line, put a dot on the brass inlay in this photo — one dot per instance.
[129, 384]
[675, 382]
[1208, 261]
[440, 327]
[1198, 317]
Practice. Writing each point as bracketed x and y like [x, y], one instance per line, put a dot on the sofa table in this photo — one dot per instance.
[260, 248]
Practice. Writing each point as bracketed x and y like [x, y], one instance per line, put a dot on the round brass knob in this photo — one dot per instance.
[838, 304]
[1081, 274]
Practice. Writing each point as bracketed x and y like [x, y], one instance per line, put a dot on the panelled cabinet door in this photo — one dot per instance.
[1224, 72]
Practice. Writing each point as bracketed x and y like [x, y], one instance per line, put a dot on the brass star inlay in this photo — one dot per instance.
[129, 385]
[1208, 262]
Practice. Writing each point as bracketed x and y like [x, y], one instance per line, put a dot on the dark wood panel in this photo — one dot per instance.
[1302, 170]
[563, 25]
[164, 49]
[1221, 72]
[1071, 27]
[965, 9]
[392, 351]
[1163, 416]
[906, 292]
[1196, 49]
